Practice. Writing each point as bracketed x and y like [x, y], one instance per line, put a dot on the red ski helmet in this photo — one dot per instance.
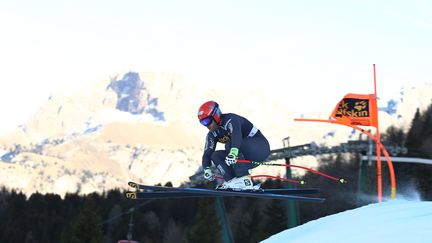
[208, 112]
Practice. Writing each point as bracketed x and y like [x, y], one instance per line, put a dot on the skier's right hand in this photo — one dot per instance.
[208, 174]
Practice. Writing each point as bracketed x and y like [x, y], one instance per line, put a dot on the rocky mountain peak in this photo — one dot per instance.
[133, 97]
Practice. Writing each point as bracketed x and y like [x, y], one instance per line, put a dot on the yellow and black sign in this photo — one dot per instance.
[353, 108]
[225, 138]
[131, 195]
[356, 109]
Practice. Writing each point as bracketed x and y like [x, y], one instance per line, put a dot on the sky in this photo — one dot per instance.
[398, 221]
[304, 50]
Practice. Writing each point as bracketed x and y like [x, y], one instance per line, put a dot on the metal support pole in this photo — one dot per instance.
[361, 180]
[129, 233]
[370, 150]
[226, 233]
[292, 207]
[363, 172]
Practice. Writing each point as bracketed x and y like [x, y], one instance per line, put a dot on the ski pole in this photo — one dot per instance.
[302, 182]
[341, 180]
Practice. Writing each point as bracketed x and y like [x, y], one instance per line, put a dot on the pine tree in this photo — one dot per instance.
[172, 232]
[393, 136]
[112, 226]
[254, 225]
[403, 171]
[413, 141]
[240, 218]
[276, 217]
[13, 222]
[206, 228]
[419, 144]
[426, 145]
[85, 227]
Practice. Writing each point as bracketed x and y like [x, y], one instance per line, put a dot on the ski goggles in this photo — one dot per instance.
[206, 121]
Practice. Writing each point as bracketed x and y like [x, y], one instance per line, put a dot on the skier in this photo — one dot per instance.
[242, 140]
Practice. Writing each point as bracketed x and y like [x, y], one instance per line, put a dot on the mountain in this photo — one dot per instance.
[143, 127]
[97, 139]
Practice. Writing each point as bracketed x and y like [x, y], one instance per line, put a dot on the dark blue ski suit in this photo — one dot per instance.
[235, 131]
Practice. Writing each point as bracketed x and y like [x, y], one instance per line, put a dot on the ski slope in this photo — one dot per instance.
[393, 221]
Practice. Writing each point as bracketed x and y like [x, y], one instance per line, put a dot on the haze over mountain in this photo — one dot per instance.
[143, 127]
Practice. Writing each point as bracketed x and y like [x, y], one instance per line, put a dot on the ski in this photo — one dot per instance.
[187, 192]
[166, 194]
[292, 191]
[195, 192]
[285, 191]
[162, 195]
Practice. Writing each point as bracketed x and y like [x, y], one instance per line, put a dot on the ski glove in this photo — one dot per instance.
[231, 159]
[208, 174]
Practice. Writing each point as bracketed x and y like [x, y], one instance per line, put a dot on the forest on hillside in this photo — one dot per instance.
[106, 217]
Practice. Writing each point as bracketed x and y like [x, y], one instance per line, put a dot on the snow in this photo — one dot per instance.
[393, 221]
[114, 115]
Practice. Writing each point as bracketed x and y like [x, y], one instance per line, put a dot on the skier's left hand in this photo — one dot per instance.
[231, 159]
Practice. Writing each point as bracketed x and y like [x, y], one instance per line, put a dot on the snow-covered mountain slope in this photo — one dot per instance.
[83, 142]
[144, 127]
[392, 221]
